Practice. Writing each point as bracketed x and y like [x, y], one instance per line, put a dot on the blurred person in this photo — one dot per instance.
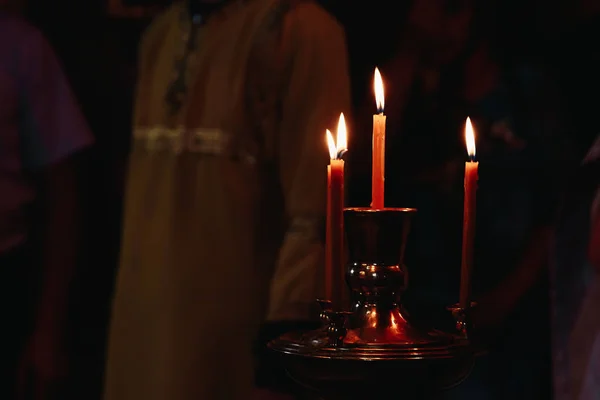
[225, 196]
[41, 130]
[576, 286]
[574, 277]
[594, 245]
[444, 70]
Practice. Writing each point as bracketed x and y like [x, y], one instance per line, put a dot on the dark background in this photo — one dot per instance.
[98, 50]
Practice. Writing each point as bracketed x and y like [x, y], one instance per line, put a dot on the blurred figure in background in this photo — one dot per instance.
[566, 28]
[41, 130]
[445, 69]
[576, 286]
[225, 197]
[594, 243]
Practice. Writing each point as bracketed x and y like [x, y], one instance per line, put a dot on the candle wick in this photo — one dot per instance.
[341, 154]
[472, 158]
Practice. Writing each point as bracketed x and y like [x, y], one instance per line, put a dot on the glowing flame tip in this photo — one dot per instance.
[331, 145]
[379, 92]
[337, 147]
[470, 138]
[342, 135]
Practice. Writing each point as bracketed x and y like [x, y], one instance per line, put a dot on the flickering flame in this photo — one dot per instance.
[336, 151]
[342, 135]
[470, 138]
[331, 145]
[379, 96]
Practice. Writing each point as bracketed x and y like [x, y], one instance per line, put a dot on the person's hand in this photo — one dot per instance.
[42, 366]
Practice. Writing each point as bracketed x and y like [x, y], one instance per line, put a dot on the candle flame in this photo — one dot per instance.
[331, 145]
[379, 93]
[336, 151]
[342, 136]
[470, 138]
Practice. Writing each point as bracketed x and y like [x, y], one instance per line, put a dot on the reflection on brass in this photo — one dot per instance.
[376, 276]
[337, 329]
[371, 347]
[462, 317]
[325, 307]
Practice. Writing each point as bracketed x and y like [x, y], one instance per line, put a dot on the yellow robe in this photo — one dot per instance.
[225, 196]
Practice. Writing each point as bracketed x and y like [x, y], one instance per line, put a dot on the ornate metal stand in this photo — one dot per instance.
[375, 349]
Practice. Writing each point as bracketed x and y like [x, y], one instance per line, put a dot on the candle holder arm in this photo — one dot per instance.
[463, 320]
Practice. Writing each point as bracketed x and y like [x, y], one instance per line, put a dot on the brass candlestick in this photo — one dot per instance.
[373, 349]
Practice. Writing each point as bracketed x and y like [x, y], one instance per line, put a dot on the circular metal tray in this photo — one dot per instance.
[358, 370]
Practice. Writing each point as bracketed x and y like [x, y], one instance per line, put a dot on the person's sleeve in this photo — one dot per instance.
[317, 92]
[52, 125]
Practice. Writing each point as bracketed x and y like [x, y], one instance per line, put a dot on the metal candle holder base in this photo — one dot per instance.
[373, 349]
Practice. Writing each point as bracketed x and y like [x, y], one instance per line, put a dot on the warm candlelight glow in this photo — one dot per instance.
[334, 235]
[338, 147]
[331, 145]
[470, 138]
[379, 94]
[394, 325]
[342, 135]
[372, 317]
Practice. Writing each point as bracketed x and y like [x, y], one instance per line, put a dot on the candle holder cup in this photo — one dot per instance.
[377, 276]
[373, 348]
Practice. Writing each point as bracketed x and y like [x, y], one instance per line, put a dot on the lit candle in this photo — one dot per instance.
[469, 212]
[378, 171]
[334, 266]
